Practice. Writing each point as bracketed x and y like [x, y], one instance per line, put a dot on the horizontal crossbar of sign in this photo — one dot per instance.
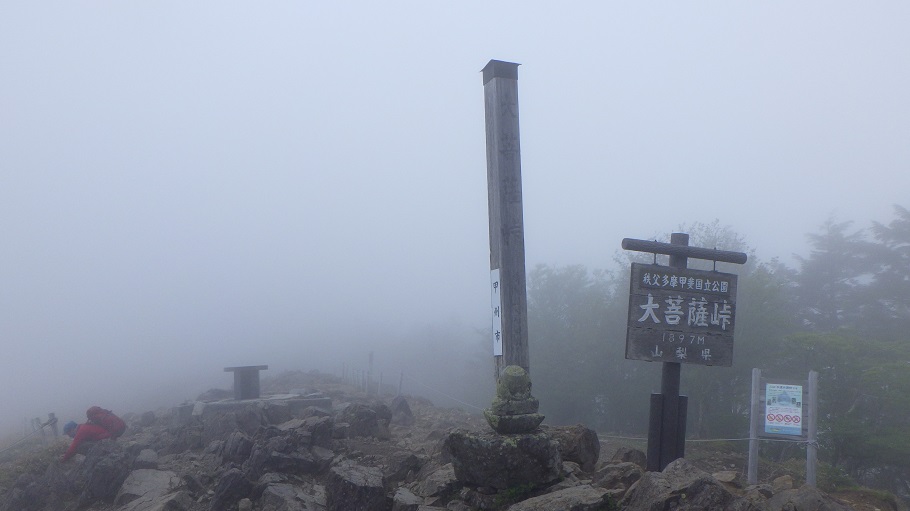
[655, 345]
[656, 247]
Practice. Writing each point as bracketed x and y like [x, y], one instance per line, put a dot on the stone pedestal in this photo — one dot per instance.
[503, 461]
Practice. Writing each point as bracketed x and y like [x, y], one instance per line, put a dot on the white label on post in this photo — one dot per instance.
[496, 302]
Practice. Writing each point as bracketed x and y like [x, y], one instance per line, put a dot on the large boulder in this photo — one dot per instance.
[617, 476]
[683, 487]
[627, 454]
[805, 498]
[295, 446]
[350, 486]
[102, 472]
[440, 482]
[366, 421]
[576, 443]
[237, 447]
[503, 461]
[231, 487]
[401, 412]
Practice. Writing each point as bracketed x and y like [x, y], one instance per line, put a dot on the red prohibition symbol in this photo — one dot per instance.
[770, 416]
[779, 417]
[796, 419]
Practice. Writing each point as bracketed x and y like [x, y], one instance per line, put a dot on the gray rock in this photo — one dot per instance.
[286, 497]
[576, 443]
[440, 482]
[401, 412]
[578, 498]
[730, 477]
[147, 419]
[237, 447]
[178, 501]
[350, 486]
[782, 483]
[404, 500]
[627, 454]
[276, 412]
[683, 487]
[366, 421]
[231, 487]
[617, 476]
[105, 468]
[147, 458]
[804, 498]
[146, 485]
[503, 461]
[402, 463]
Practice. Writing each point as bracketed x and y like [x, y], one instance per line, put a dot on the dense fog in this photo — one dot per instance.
[190, 186]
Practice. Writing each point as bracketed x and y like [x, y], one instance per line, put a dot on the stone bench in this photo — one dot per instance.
[246, 381]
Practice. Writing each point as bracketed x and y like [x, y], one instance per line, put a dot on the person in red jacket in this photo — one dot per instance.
[82, 433]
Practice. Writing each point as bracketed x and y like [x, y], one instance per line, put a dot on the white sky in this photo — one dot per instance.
[186, 186]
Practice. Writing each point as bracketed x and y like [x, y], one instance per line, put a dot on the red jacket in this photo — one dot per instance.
[107, 420]
[85, 432]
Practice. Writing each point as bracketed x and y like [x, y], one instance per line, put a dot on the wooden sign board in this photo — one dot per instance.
[681, 315]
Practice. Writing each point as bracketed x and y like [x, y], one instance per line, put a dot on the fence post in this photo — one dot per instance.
[754, 416]
[812, 446]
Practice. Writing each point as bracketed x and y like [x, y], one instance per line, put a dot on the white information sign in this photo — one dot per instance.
[496, 302]
[783, 409]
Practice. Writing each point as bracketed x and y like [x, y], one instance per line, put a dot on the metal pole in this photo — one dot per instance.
[812, 446]
[369, 382]
[755, 416]
[507, 250]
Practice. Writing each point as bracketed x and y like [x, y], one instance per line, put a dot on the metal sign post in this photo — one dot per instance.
[784, 410]
[673, 310]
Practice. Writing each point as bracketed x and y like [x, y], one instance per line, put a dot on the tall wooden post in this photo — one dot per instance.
[507, 247]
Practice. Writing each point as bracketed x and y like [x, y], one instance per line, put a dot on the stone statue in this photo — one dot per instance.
[514, 409]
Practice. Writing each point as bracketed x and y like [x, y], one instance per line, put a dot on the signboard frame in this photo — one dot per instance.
[776, 385]
[681, 315]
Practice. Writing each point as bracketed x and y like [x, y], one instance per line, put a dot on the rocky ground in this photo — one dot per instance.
[365, 452]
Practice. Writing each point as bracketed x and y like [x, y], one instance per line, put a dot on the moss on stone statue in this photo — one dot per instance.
[514, 410]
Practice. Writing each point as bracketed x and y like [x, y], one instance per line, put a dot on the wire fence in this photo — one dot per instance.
[362, 379]
[40, 428]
